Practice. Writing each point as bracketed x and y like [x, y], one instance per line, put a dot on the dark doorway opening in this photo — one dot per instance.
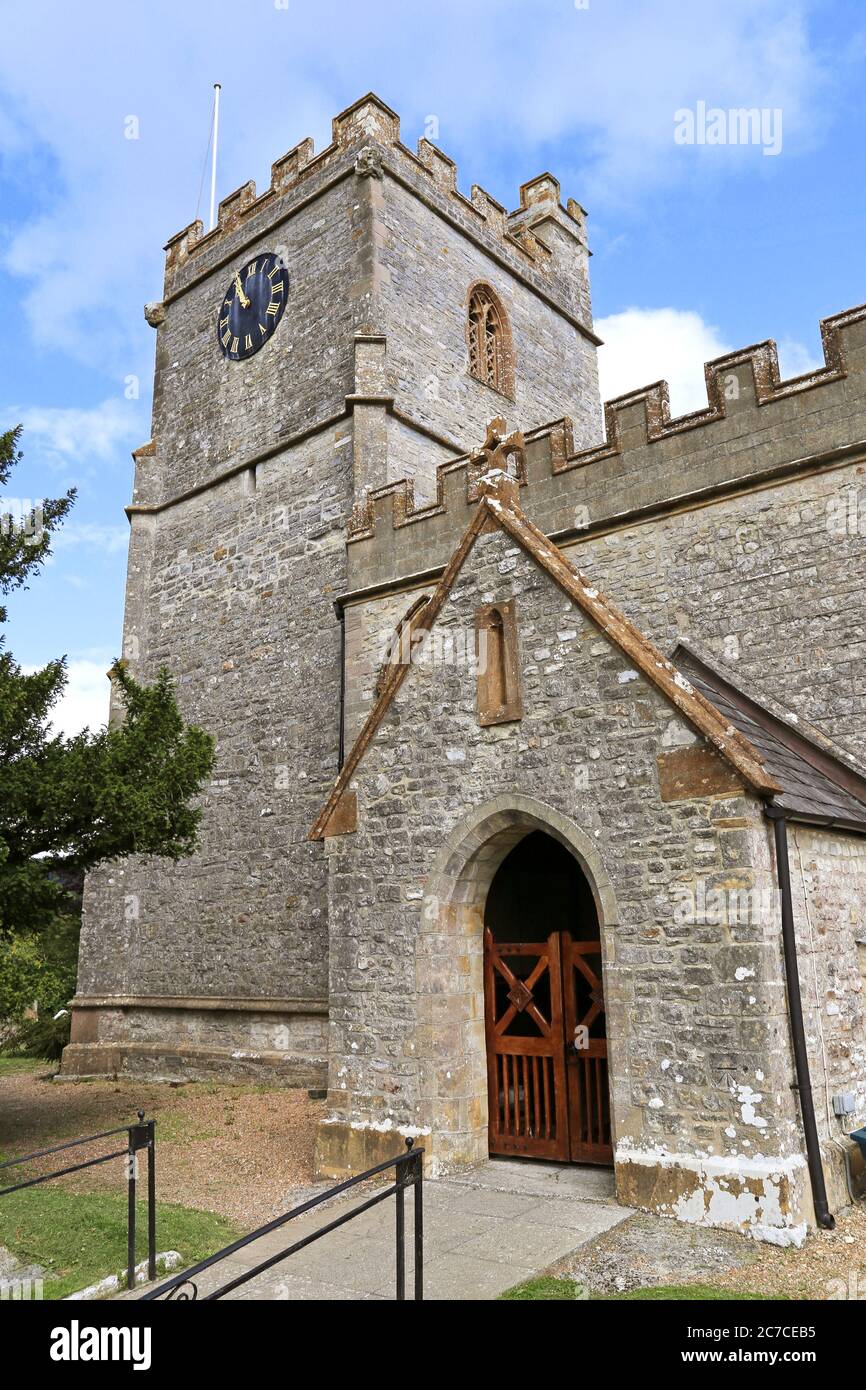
[539, 888]
[544, 1008]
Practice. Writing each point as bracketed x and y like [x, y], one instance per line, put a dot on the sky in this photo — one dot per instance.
[702, 241]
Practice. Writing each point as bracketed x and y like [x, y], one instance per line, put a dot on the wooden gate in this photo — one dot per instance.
[525, 1057]
[547, 1098]
[586, 1052]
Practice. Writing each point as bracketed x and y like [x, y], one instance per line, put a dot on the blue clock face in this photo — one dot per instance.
[253, 306]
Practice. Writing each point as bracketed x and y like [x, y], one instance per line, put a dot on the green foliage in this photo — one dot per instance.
[44, 1037]
[73, 803]
[39, 968]
[22, 969]
[545, 1289]
[102, 796]
[22, 550]
[80, 1237]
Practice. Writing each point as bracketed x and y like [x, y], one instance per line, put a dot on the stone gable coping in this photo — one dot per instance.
[497, 506]
[638, 419]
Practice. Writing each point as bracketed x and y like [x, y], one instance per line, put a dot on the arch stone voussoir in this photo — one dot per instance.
[449, 965]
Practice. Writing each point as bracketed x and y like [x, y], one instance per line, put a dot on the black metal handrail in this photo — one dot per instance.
[409, 1172]
[140, 1136]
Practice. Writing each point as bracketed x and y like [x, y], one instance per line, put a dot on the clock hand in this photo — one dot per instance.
[240, 292]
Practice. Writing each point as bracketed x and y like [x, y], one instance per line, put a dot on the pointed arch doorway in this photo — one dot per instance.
[544, 1010]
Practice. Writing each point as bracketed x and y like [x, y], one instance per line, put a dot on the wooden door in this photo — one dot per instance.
[546, 1049]
[526, 1085]
[586, 1052]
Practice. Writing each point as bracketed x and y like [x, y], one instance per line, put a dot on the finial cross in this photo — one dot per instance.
[498, 448]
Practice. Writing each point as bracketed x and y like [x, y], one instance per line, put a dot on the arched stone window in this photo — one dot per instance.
[488, 337]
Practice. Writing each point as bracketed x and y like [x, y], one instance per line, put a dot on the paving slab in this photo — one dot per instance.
[484, 1231]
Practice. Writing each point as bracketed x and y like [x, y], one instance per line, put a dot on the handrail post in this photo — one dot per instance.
[401, 1230]
[418, 1165]
[151, 1200]
[408, 1172]
[131, 1163]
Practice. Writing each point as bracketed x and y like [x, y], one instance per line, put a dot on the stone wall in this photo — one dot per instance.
[767, 583]
[240, 587]
[429, 268]
[696, 1008]
[829, 891]
[208, 412]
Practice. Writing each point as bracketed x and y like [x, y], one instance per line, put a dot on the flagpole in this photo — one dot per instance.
[213, 165]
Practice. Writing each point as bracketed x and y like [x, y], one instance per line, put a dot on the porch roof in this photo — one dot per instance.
[818, 785]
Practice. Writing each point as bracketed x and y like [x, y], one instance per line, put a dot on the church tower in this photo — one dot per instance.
[357, 323]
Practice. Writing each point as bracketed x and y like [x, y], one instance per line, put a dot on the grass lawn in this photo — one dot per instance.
[80, 1237]
[12, 1066]
[547, 1288]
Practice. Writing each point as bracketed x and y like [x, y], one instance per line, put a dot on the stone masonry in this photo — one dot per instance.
[288, 512]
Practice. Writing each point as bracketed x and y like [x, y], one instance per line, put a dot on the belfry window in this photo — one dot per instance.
[491, 356]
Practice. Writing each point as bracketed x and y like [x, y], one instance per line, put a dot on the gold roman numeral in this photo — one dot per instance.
[273, 307]
[248, 342]
[225, 338]
[263, 330]
[252, 268]
[235, 342]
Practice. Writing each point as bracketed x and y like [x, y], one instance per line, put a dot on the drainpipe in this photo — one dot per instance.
[795, 1013]
[341, 619]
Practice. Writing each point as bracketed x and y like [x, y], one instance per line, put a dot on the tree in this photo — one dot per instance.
[70, 803]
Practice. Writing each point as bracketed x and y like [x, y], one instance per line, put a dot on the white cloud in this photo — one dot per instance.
[85, 699]
[90, 535]
[78, 435]
[604, 82]
[642, 346]
[646, 345]
[795, 358]
[84, 702]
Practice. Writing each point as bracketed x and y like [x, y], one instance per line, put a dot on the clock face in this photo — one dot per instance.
[253, 306]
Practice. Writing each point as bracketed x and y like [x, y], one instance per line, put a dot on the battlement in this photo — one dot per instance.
[755, 424]
[371, 130]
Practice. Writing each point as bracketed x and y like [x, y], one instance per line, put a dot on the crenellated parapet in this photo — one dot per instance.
[366, 138]
[754, 424]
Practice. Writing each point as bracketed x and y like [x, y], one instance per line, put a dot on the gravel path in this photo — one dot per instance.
[242, 1151]
[651, 1250]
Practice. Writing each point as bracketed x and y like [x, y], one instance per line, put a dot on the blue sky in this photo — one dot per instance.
[697, 247]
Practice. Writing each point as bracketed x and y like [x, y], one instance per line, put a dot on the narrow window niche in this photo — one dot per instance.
[498, 674]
